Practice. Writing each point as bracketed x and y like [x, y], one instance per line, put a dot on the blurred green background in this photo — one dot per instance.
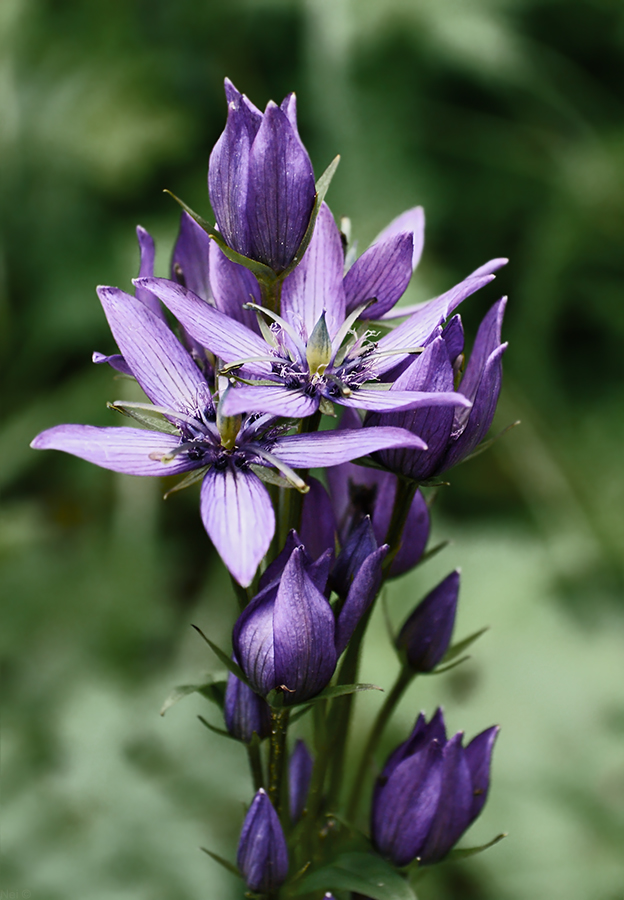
[505, 119]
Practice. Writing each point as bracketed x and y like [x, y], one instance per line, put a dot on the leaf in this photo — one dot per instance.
[433, 552]
[222, 862]
[144, 415]
[441, 669]
[212, 690]
[300, 713]
[363, 873]
[229, 664]
[456, 649]
[262, 272]
[340, 690]
[187, 481]
[220, 731]
[485, 445]
[457, 855]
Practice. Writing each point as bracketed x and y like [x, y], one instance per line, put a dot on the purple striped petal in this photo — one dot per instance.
[422, 734]
[281, 190]
[318, 527]
[115, 361]
[146, 269]
[245, 713]
[479, 757]
[411, 220]
[388, 401]
[228, 175]
[453, 336]
[225, 337]
[316, 284]
[405, 807]
[415, 331]
[262, 854]
[431, 370]
[126, 450]
[233, 285]
[276, 400]
[452, 816]
[382, 273]
[303, 633]
[238, 516]
[156, 358]
[253, 116]
[330, 448]
[361, 594]
[252, 640]
[190, 263]
[488, 268]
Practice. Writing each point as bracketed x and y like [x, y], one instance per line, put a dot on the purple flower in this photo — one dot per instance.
[359, 491]
[262, 853]
[426, 634]
[431, 789]
[311, 357]
[299, 775]
[450, 435]
[230, 454]
[261, 181]
[245, 712]
[289, 639]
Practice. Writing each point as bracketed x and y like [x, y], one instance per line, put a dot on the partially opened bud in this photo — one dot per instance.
[262, 854]
[426, 634]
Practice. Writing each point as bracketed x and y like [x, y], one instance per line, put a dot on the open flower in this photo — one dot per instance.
[430, 790]
[261, 181]
[230, 454]
[311, 357]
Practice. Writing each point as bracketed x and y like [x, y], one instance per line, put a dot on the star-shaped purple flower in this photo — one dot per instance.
[229, 454]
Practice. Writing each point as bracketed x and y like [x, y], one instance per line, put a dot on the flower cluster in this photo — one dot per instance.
[268, 328]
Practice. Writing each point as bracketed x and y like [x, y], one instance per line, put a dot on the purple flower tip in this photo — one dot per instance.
[426, 634]
[262, 854]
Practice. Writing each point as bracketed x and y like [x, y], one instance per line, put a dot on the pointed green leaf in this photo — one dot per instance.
[458, 648]
[485, 445]
[457, 855]
[341, 690]
[441, 669]
[433, 552]
[213, 690]
[187, 481]
[220, 731]
[222, 862]
[363, 873]
[229, 664]
[143, 413]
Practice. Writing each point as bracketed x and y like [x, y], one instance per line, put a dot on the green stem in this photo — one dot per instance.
[315, 798]
[406, 490]
[277, 752]
[271, 292]
[255, 764]
[403, 680]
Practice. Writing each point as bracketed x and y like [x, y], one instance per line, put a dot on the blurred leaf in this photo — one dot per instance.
[363, 873]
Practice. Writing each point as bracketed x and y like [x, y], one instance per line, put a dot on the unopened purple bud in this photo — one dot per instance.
[245, 712]
[426, 634]
[262, 854]
[360, 544]
[299, 775]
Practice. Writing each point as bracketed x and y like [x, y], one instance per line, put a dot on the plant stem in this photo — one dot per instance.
[404, 496]
[255, 764]
[277, 751]
[404, 678]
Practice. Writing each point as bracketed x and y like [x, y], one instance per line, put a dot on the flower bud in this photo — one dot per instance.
[262, 854]
[426, 634]
[245, 712]
[299, 775]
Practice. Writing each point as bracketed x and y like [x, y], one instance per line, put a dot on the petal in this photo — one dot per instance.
[415, 331]
[253, 116]
[358, 546]
[432, 370]
[228, 175]
[479, 757]
[115, 361]
[405, 807]
[245, 712]
[318, 527]
[225, 337]
[422, 734]
[490, 267]
[239, 518]
[190, 263]
[382, 273]
[426, 634]
[411, 220]
[127, 450]
[303, 632]
[299, 776]
[252, 640]
[453, 336]
[453, 813]
[156, 358]
[415, 531]
[362, 592]
[387, 401]
[281, 190]
[262, 853]
[277, 400]
[233, 285]
[146, 269]
[316, 285]
[330, 448]
[274, 570]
